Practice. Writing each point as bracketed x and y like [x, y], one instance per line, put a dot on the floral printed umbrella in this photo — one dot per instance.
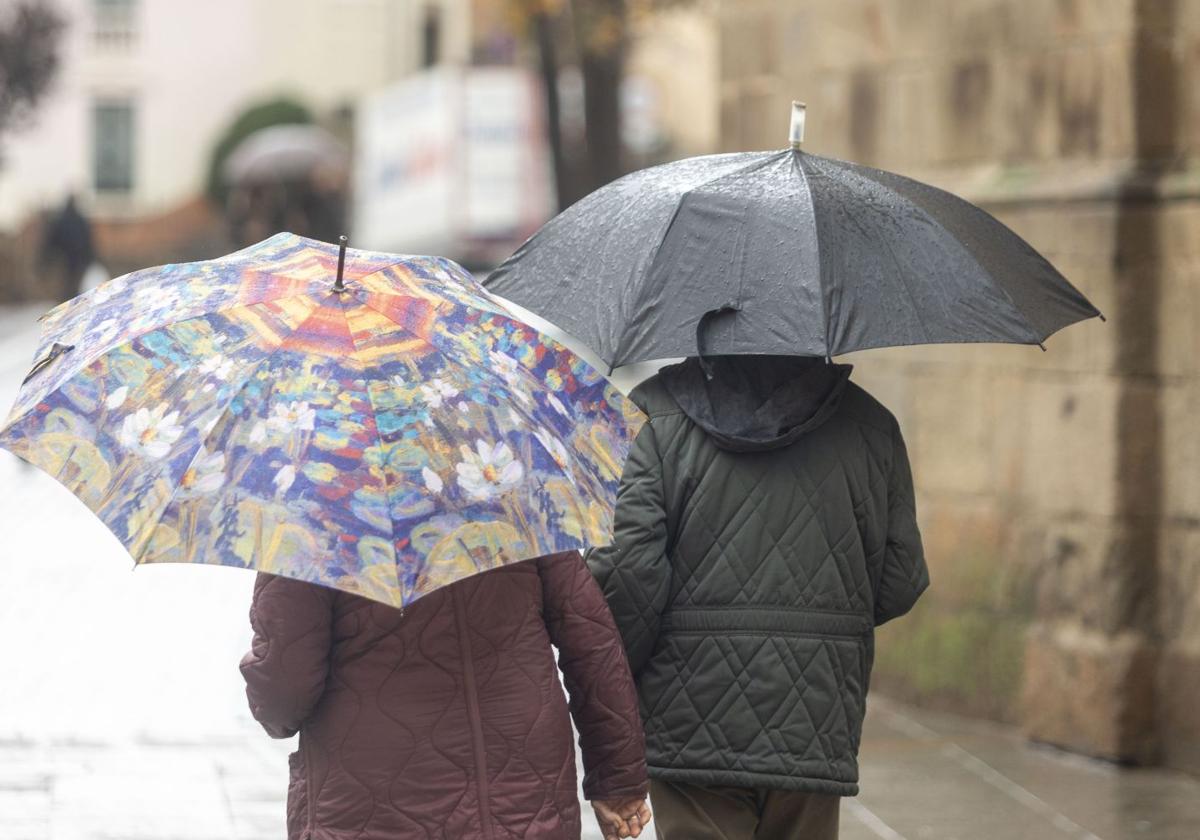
[385, 438]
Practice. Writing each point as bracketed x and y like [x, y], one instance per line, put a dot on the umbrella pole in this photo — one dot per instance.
[796, 134]
[339, 285]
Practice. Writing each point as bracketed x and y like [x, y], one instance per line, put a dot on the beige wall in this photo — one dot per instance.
[1059, 492]
[676, 52]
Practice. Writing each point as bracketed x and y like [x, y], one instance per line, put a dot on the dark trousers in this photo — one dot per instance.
[692, 812]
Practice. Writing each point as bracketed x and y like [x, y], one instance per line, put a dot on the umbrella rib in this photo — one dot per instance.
[642, 289]
[446, 351]
[903, 277]
[204, 440]
[379, 438]
[486, 368]
[816, 239]
[188, 316]
[504, 387]
[132, 338]
[865, 173]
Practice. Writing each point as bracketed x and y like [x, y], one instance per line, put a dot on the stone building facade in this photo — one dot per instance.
[1059, 491]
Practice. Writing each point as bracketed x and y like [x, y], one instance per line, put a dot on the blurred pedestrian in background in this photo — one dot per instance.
[66, 250]
[765, 526]
[289, 177]
[448, 719]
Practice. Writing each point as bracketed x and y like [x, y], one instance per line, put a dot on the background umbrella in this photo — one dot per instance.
[386, 435]
[285, 151]
[787, 253]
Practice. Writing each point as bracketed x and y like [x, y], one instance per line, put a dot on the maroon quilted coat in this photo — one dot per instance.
[448, 721]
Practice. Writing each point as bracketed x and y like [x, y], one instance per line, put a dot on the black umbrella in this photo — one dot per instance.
[784, 253]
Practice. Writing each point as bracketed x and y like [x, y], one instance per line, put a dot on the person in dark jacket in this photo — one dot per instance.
[764, 527]
[448, 720]
[67, 249]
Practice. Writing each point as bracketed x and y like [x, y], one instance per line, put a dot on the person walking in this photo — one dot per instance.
[764, 527]
[447, 720]
[67, 249]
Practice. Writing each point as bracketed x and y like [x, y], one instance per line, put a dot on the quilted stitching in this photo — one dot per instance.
[813, 533]
[379, 700]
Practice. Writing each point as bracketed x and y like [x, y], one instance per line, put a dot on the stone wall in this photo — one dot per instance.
[1059, 492]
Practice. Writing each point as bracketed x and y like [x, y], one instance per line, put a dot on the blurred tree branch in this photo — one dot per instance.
[30, 38]
[544, 31]
[601, 35]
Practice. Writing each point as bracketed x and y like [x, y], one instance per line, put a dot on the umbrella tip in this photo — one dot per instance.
[339, 285]
[796, 135]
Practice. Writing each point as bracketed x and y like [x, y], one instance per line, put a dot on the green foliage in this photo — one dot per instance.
[963, 646]
[281, 111]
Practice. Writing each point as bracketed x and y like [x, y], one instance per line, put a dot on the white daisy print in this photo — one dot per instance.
[259, 433]
[488, 471]
[437, 391]
[557, 405]
[510, 369]
[283, 479]
[205, 475]
[556, 450]
[217, 365]
[151, 432]
[294, 416]
[117, 398]
[433, 481]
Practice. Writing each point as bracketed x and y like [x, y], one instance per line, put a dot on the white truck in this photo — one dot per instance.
[452, 161]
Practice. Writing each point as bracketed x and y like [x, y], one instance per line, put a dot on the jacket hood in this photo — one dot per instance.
[756, 403]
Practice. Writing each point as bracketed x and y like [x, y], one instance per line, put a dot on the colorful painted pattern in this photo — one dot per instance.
[386, 441]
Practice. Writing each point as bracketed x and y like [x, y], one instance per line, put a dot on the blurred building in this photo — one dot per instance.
[146, 87]
[1060, 491]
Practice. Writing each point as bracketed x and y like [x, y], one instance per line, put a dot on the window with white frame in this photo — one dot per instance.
[116, 22]
[113, 123]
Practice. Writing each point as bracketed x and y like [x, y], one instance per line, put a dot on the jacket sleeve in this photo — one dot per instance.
[602, 696]
[634, 572]
[288, 662]
[904, 575]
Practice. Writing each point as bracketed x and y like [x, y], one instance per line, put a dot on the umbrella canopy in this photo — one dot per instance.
[385, 439]
[787, 253]
[285, 151]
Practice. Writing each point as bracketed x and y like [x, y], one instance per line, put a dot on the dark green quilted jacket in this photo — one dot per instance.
[765, 526]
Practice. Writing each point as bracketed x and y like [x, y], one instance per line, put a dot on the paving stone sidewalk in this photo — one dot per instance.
[925, 777]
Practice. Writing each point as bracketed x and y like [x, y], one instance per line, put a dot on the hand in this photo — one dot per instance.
[620, 818]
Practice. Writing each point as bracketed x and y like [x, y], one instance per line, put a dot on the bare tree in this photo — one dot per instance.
[30, 37]
[602, 36]
[598, 35]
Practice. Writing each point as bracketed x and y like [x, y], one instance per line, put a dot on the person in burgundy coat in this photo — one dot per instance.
[448, 720]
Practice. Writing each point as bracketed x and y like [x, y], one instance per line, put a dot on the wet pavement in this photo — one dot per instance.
[122, 715]
[927, 775]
